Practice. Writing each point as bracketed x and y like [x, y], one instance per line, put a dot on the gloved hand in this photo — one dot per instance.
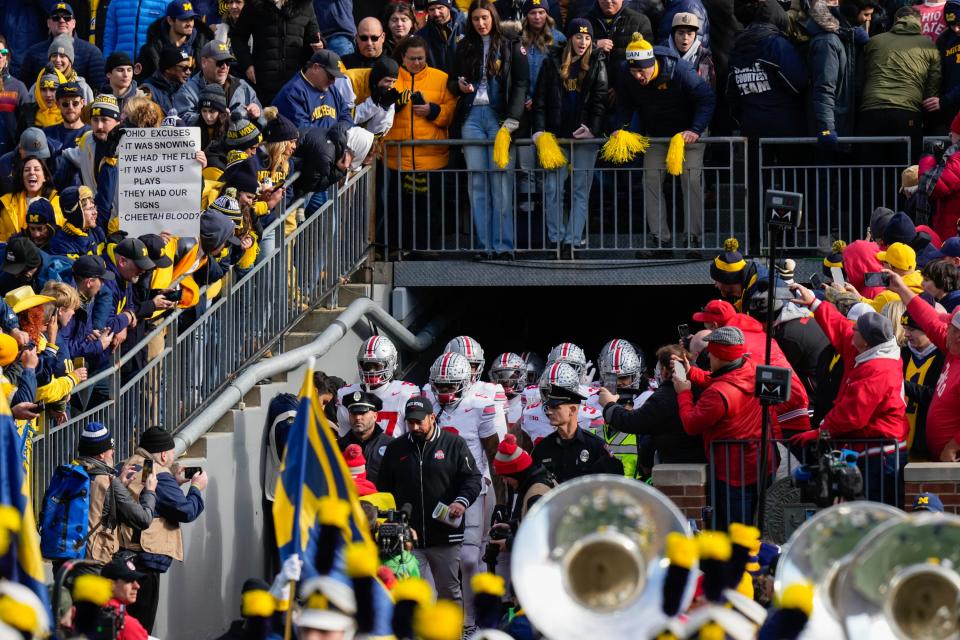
[387, 98]
[828, 139]
[290, 572]
[804, 438]
[536, 136]
[511, 124]
[113, 141]
[588, 373]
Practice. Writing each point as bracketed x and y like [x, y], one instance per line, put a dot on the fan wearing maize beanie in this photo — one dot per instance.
[527, 479]
[670, 99]
[734, 276]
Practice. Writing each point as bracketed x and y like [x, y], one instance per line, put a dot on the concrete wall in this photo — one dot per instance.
[224, 547]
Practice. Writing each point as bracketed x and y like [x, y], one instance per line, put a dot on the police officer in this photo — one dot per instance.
[570, 452]
[362, 410]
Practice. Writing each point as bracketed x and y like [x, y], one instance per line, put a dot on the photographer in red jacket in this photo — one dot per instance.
[870, 404]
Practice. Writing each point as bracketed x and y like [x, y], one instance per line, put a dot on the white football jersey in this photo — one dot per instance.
[534, 421]
[390, 418]
[514, 412]
[475, 417]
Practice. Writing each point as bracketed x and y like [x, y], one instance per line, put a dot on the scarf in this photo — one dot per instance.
[691, 54]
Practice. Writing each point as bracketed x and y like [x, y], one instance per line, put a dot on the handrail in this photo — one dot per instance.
[290, 360]
[463, 142]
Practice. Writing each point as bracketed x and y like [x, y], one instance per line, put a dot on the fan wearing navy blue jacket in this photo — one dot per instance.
[310, 98]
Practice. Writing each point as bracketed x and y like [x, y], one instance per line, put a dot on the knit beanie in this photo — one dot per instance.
[213, 97]
[879, 220]
[70, 203]
[241, 176]
[899, 229]
[242, 133]
[63, 43]
[279, 128]
[579, 25]
[106, 105]
[834, 258]
[728, 267]
[95, 438]
[227, 205]
[510, 458]
[118, 59]
[171, 56]
[40, 211]
[156, 440]
[353, 456]
[640, 53]
[530, 5]
[49, 80]
[786, 268]
[875, 328]
[384, 67]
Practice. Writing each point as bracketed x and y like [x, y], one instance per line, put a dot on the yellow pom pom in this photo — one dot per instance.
[798, 596]
[667, 635]
[549, 153]
[623, 146]
[746, 585]
[712, 631]
[270, 113]
[488, 583]
[361, 560]
[91, 588]
[838, 246]
[731, 245]
[257, 604]
[681, 549]
[334, 511]
[415, 590]
[636, 37]
[744, 535]
[501, 148]
[442, 621]
[714, 545]
[675, 155]
[19, 615]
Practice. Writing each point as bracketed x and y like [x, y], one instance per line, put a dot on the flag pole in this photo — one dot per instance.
[288, 624]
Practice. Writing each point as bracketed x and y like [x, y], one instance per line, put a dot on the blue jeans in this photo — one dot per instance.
[734, 504]
[491, 188]
[340, 45]
[883, 477]
[583, 160]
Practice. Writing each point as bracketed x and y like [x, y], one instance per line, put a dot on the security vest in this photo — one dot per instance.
[917, 370]
[624, 447]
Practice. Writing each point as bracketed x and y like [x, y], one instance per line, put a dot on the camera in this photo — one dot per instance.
[935, 148]
[498, 533]
[833, 475]
[394, 533]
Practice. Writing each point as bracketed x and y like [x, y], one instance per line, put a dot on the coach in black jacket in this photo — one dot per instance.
[424, 467]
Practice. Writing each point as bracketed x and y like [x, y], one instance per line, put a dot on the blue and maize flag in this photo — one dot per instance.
[20, 559]
[314, 475]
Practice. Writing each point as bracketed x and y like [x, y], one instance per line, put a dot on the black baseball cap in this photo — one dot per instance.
[417, 408]
[361, 402]
[134, 249]
[155, 248]
[329, 60]
[22, 254]
[91, 267]
[121, 569]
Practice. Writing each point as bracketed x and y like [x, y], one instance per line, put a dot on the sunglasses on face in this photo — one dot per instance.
[61, 18]
[223, 63]
[183, 68]
[70, 103]
[366, 38]
[4, 52]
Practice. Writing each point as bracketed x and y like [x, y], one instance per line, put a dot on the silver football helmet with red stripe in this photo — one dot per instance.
[509, 371]
[534, 366]
[559, 374]
[570, 354]
[377, 361]
[450, 376]
[619, 359]
[472, 351]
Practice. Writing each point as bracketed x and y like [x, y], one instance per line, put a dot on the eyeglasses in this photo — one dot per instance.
[367, 38]
[223, 63]
[61, 17]
[183, 68]
[71, 103]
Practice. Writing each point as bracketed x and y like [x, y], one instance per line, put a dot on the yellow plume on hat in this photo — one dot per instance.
[414, 589]
[92, 588]
[488, 583]
[798, 596]
[333, 511]
[257, 604]
[501, 148]
[361, 560]
[549, 153]
[441, 621]
[681, 549]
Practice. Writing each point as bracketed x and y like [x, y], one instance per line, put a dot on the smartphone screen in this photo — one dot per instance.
[147, 470]
[816, 281]
[679, 372]
[836, 273]
[684, 331]
[875, 279]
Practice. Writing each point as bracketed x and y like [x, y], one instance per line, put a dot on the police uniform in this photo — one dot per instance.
[536, 425]
[390, 418]
[376, 444]
[581, 455]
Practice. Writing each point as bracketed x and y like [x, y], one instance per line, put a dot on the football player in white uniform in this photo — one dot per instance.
[468, 411]
[473, 352]
[534, 367]
[509, 371]
[534, 421]
[377, 363]
[622, 372]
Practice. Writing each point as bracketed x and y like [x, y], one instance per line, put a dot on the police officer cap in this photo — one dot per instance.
[560, 395]
[361, 402]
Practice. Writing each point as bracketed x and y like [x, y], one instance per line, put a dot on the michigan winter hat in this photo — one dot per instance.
[243, 134]
[907, 320]
[834, 259]
[228, 206]
[50, 80]
[279, 128]
[875, 328]
[95, 438]
[640, 53]
[530, 5]
[579, 25]
[213, 97]
[105, 105]
[242, 176]
[727, 268]
[899, 256]
[510, 458]
[899, 229]
[726, 343]
[171, 56]
[156, 440]
[62, 44]
[40, 211]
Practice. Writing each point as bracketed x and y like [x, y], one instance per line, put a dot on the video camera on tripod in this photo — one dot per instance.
[394, 533]
[833, 475]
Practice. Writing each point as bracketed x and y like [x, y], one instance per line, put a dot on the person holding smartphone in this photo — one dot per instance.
[902, 260]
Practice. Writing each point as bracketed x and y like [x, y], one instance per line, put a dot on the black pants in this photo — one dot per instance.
[145, 608]
[890, 122]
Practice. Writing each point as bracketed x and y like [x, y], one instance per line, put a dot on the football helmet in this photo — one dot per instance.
[452, 372]
[534, 366]
[472, 351]
[619, 362]
[570, 354]
[559, 374]
[510, 372]
[377, 361]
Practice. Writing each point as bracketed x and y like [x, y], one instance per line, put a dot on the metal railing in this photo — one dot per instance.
[734, 475]
[624, 210]
[191, 356]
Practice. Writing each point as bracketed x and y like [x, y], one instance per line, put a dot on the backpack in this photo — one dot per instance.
[64, 524]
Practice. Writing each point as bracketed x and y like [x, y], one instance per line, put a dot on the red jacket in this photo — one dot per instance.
[860, 257]
[943, 416]
[727, 410]
[946, 196]
[870, 403]
[132, 629]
